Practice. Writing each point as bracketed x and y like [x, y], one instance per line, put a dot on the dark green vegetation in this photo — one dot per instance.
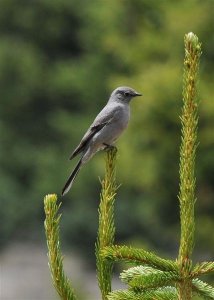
[59, 60]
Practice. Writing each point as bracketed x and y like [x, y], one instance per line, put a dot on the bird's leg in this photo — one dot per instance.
[109, 147]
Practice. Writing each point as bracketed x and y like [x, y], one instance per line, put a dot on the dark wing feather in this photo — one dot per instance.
[87, 137]
[103, 118]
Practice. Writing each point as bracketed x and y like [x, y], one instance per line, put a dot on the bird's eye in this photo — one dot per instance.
[126, 94]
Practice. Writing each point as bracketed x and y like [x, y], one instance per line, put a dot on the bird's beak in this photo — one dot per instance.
[137, 94]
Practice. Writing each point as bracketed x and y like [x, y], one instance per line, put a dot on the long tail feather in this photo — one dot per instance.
[71, 178]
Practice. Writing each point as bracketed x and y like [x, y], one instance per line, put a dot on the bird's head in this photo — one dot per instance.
[124, 94]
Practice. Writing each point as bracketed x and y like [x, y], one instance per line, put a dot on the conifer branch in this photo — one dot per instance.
[123, 294]
[153, 280]
[203, 289]
[189, 122]
[106, 230]
[147, 283]
[143, 277]
[60, 281]
[127, 275]
[203, 268]
[166, 293]
[138, 256]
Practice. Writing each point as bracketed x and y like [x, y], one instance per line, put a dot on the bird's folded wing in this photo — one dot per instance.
[87, 137]
[101, 120]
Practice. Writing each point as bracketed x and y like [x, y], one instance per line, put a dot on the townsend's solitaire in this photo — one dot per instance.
[104, 131]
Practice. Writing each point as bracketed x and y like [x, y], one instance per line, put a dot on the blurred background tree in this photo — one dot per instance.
[59, 61]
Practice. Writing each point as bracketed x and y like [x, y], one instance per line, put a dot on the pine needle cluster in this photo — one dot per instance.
[60, 281]
[106, 230]
[151, 277]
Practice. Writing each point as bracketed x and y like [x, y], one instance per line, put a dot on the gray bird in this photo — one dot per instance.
[104, 131]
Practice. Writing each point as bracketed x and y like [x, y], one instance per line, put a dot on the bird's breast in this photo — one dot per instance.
[110, 133]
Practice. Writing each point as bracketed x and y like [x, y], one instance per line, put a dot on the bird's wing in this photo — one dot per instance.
[87, 137]
[103, 118]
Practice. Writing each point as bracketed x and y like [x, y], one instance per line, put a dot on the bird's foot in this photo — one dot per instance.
[109, 147]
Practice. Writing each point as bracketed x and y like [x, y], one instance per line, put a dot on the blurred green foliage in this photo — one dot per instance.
[59, 61]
